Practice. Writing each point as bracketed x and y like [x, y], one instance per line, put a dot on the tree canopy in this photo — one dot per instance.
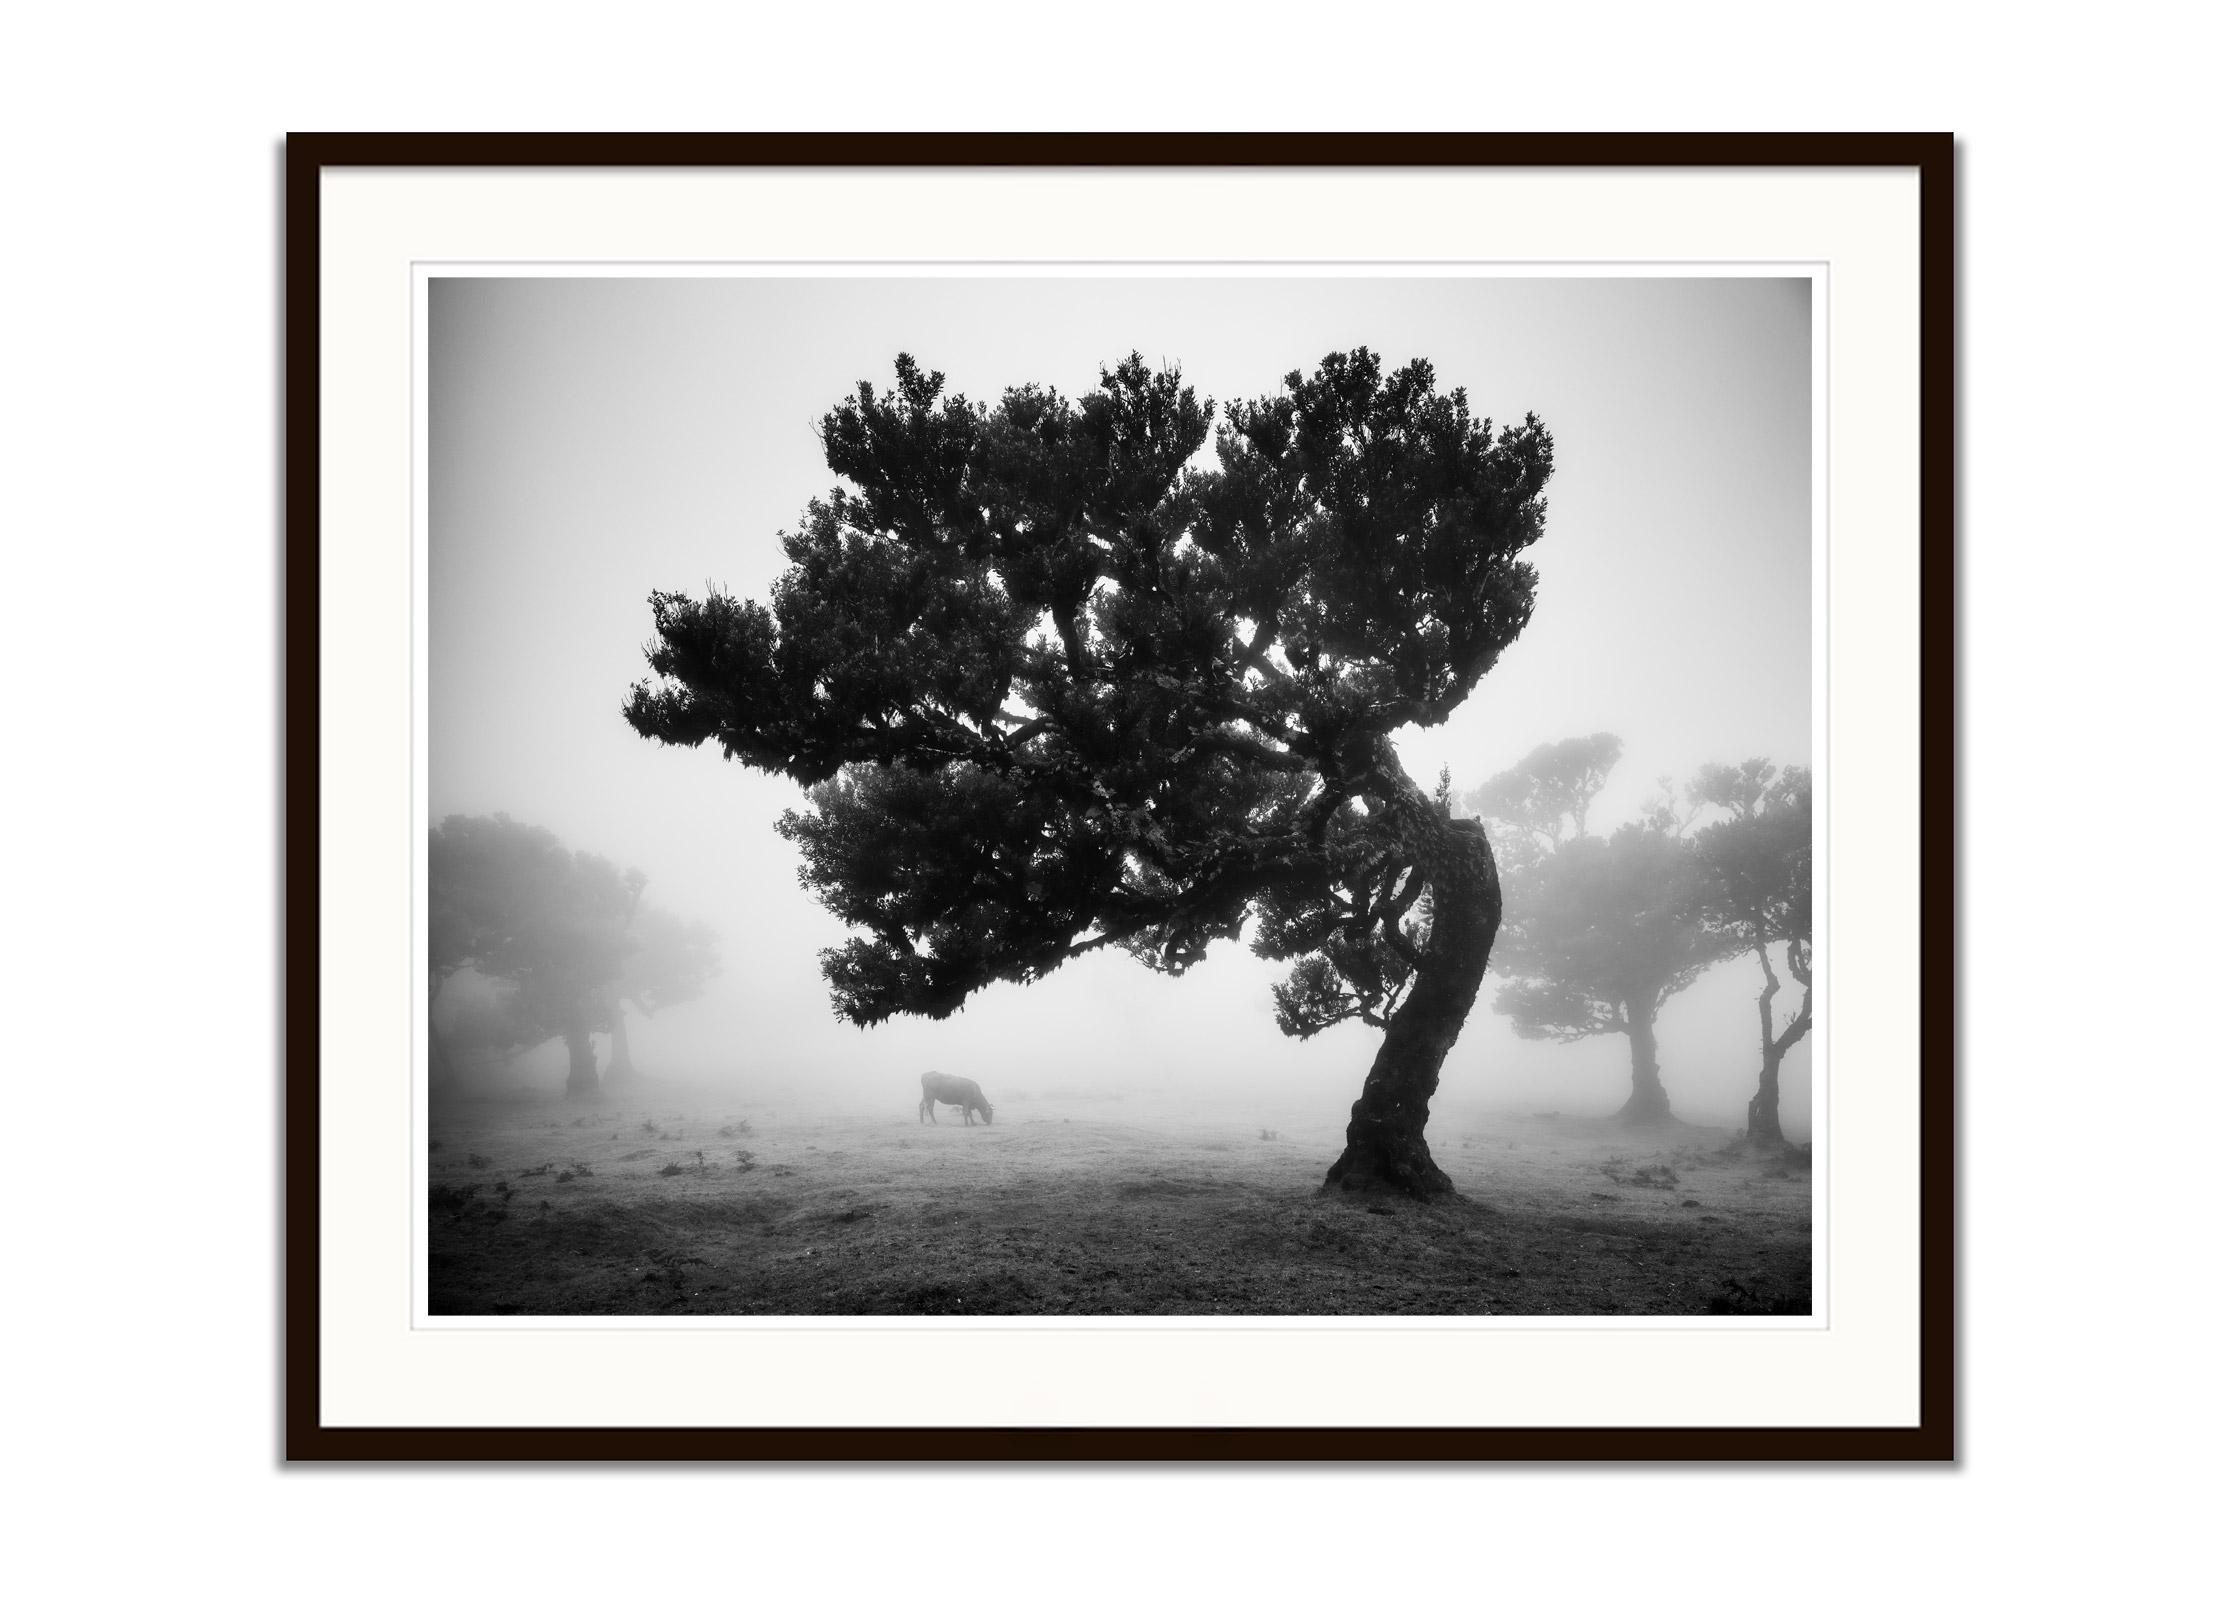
[1055, 681]
[1603, 929]
[1543, 800]
[1760, 852]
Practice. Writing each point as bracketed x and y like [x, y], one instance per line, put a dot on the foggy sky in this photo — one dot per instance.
[591, 440]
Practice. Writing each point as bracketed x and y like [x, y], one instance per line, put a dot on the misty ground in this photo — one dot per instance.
[1081, 1205]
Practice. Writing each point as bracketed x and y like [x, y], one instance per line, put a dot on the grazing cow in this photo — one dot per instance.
[951, 1091]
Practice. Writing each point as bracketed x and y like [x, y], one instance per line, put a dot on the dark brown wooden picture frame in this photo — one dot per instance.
[309, 156]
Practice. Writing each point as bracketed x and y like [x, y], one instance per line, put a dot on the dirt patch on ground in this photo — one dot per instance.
[752, 1211]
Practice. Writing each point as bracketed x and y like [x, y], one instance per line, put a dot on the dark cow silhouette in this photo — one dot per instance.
[953, 1091]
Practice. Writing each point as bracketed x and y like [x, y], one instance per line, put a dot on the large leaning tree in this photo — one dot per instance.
[1603, 929]
[1054, 685]
[1759, 858]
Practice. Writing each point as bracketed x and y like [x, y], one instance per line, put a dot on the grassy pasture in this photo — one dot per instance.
[658, 1205]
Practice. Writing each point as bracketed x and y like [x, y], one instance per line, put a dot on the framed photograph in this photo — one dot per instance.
[1172, 797]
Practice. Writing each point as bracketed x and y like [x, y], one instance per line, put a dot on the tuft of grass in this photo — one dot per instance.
[671, 1170]
[746, 1160]
[535, 1172]
[1753, 1299]
[478, 1162]
[451, 1199]
[1649, 1177]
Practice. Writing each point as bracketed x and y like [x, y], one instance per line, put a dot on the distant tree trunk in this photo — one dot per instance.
[1764, 1126]
[443, 1071]
[1647, 1103]
[1385, 1146]
[619, 1069]
[583, 1070]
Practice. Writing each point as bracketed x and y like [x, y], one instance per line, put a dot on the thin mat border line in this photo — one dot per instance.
[423, 271]
[307, 156]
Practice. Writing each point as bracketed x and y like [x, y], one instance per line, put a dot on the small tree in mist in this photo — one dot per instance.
[557, 928]
[1051, 688]
[1602, 930]
[1759, 860]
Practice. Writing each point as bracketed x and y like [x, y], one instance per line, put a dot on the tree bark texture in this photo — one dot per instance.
[1385, 1146]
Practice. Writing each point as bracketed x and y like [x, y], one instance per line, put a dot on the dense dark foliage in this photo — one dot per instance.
[1053, 686]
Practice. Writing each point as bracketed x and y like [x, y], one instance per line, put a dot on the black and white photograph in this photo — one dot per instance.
[1158, 793]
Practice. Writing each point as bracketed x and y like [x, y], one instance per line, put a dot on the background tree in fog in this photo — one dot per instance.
[1759, 859]
[1052, 687]
[1602, 930]
[1543, 800]
[558, 929]
[477, 870]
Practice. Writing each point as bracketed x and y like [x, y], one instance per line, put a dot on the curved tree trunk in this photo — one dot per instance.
[583, 1070]
[619, 1068]
[1648, 1102]
[1764, 1125]
[1385, 1147]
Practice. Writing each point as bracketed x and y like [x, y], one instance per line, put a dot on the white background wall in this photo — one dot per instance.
[137, 625]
